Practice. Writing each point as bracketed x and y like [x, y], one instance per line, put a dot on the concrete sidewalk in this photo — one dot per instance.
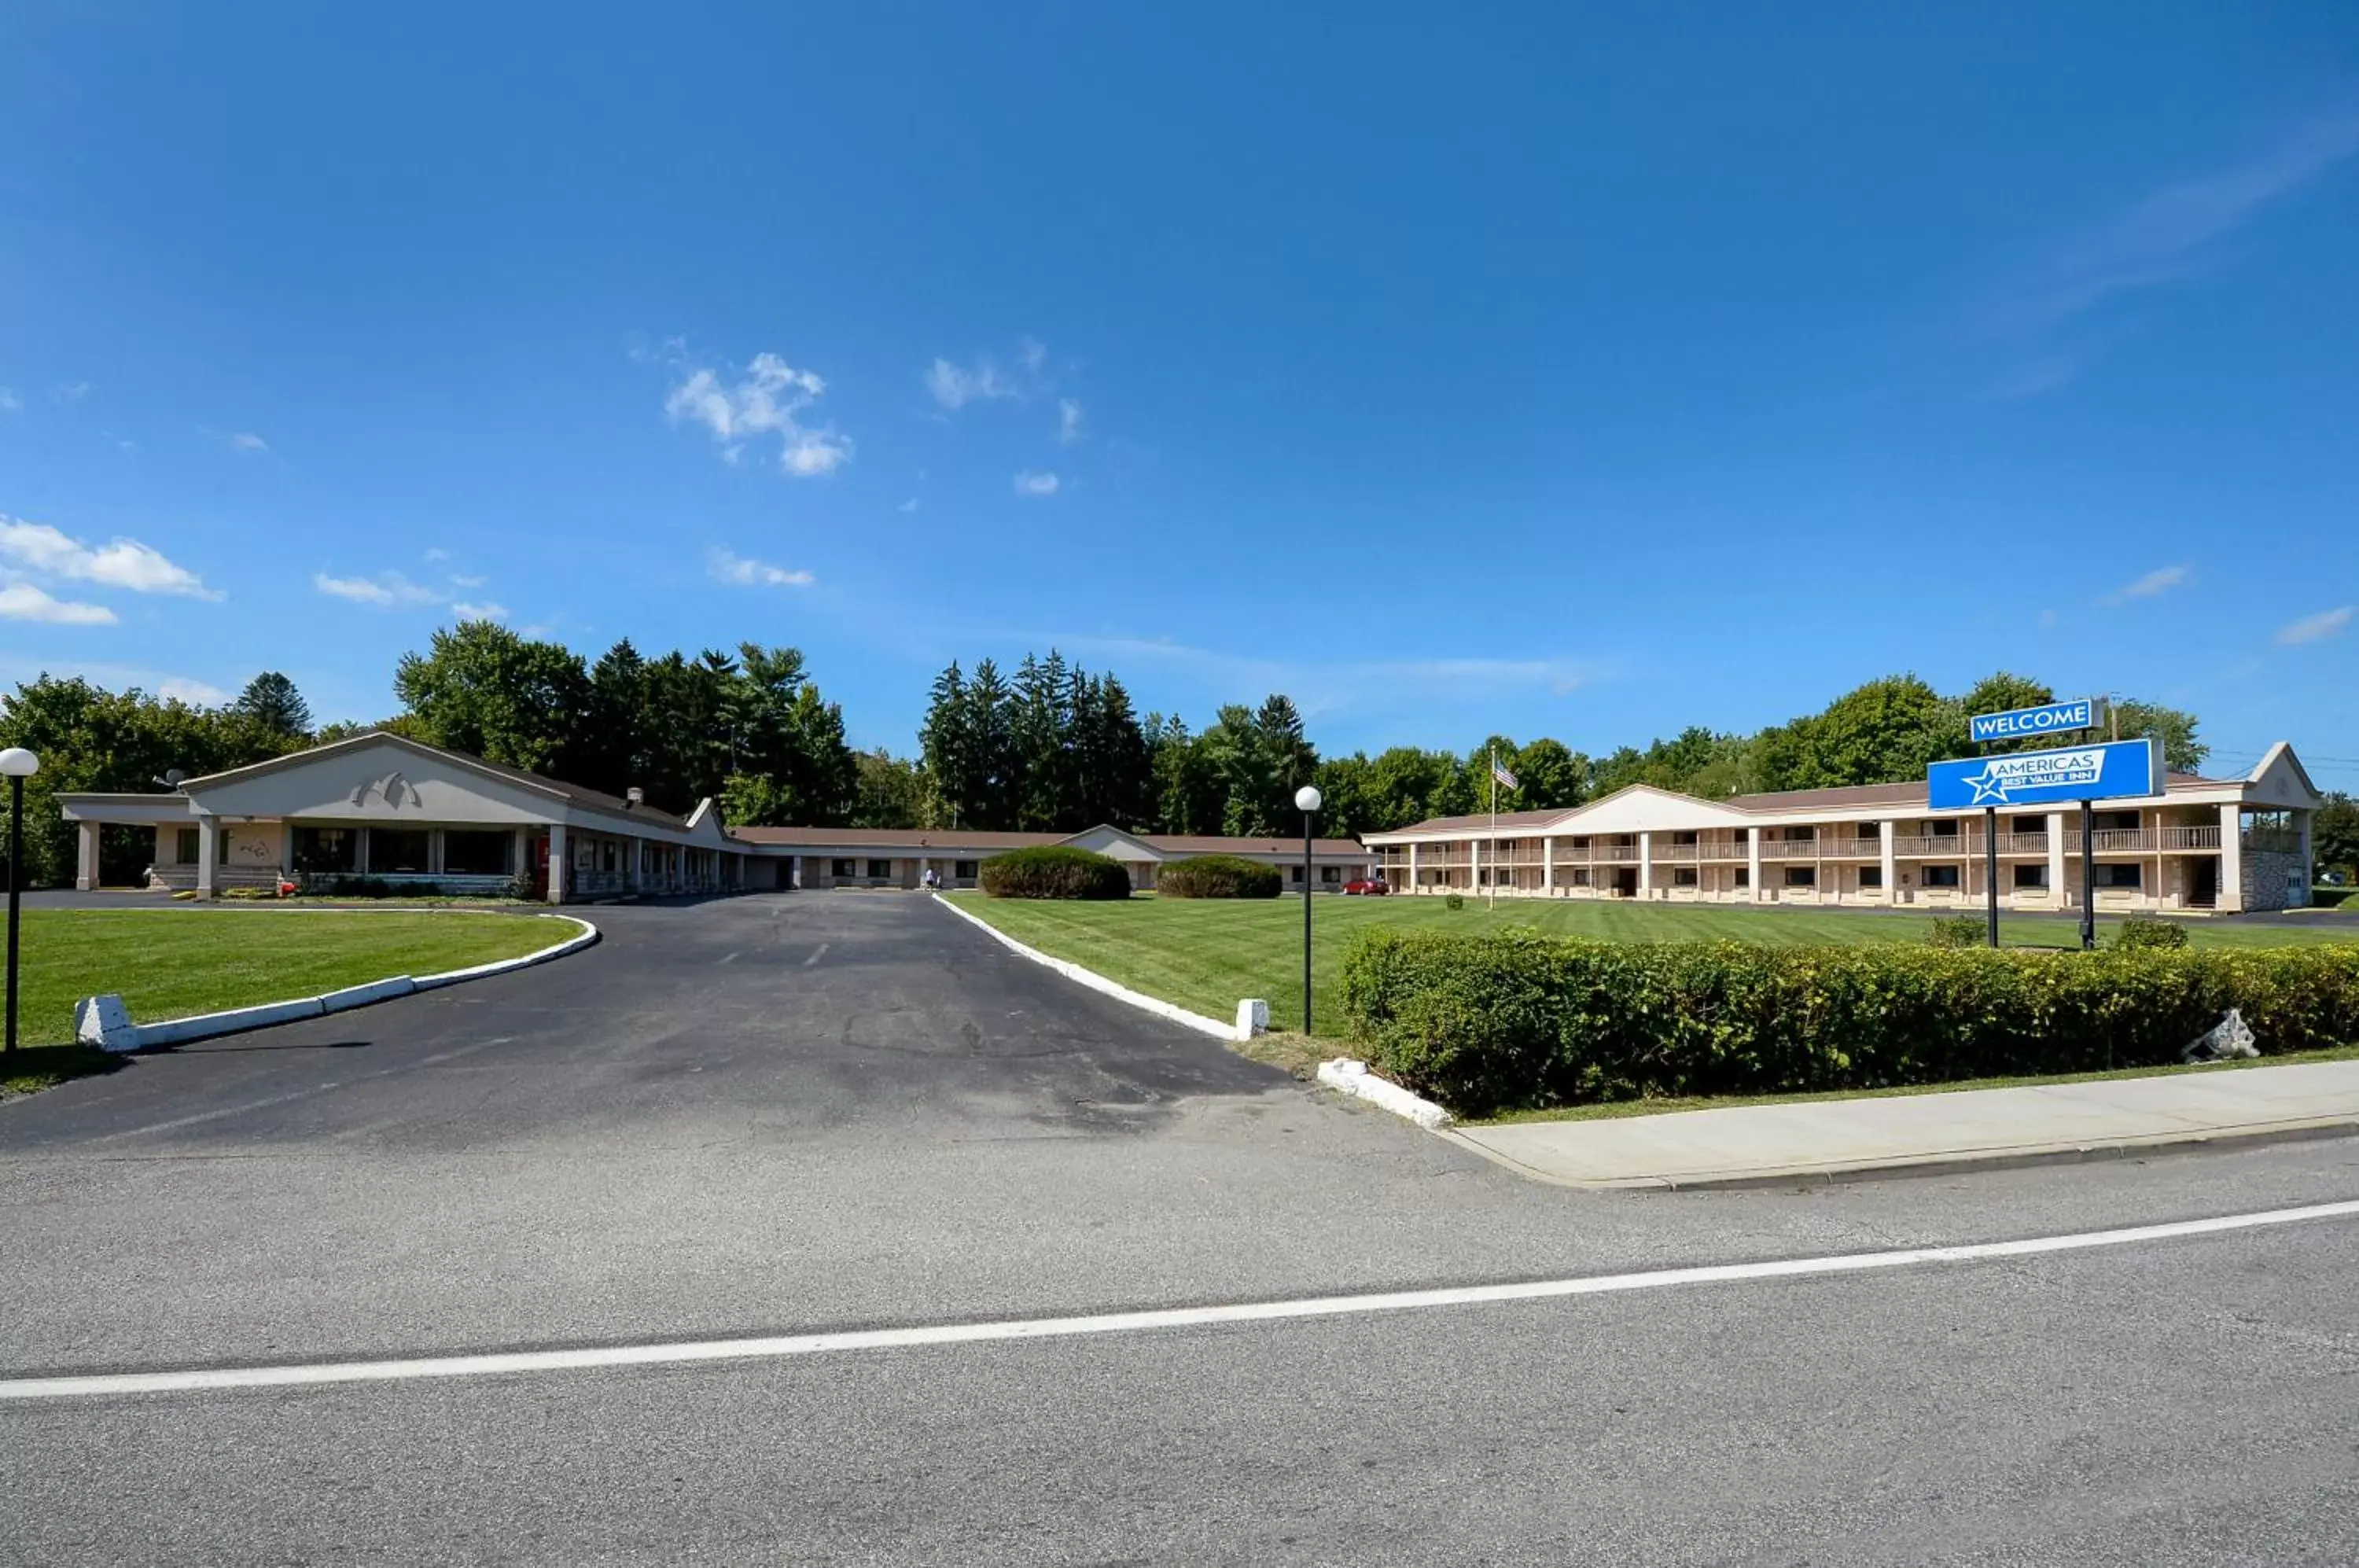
[1756, 1144]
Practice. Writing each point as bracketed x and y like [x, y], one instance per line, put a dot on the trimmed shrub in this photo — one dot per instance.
[1491, 1023]
[1219, 877]
[1454, 901]
[1054, 871]
[1959, 930]
[2144, 930]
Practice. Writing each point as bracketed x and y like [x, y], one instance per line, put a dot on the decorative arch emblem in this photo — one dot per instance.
[393, 789]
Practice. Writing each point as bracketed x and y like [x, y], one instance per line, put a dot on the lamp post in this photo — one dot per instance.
[19, 765]
[1307, 799]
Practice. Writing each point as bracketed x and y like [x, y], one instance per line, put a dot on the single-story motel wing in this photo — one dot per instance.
[2223, 844]
[397, 810]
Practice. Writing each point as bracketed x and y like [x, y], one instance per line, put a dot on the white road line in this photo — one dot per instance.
[730, 959]
[817, 954]
[214, 1380]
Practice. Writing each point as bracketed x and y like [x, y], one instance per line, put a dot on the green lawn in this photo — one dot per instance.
[169, 963]
[1206, 954]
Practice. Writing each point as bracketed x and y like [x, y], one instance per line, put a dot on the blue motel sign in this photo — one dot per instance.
[2048, 718]
[2098, 771]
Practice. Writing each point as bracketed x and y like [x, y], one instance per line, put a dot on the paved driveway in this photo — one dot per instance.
[780, 1114]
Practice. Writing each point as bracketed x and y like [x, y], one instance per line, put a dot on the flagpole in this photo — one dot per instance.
[1493, 756]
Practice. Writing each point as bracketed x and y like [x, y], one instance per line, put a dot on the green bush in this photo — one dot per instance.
[1454, 901]
[1959, 930]
[2144, 930]
[1491, 1023]
[1219, 877]
[1054, 871]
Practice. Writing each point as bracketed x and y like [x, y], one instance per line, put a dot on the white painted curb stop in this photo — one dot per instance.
[1352, 1077]
[1096, 982]
[102, 1021]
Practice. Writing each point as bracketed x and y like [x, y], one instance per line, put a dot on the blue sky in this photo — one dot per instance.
[1598, 371]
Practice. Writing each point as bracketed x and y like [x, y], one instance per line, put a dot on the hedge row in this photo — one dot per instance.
[1219, 877]
[1493, 1023]
[1054, 871]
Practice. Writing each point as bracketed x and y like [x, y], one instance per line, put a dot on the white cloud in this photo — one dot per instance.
[486, 611]
[909, 506]
[1069, 420]
[1030, 483]
[72, 392]
[245, 441]
[119, 564]
[954, 387]
[1325, 686]
[765, 402]
[9, 401]
[1036, 354]
[385, 588]
[458, 580]
[2317, 628]
[2161, 579]
[725, 567]
[23, 602]
[196, 693]
[435, 555]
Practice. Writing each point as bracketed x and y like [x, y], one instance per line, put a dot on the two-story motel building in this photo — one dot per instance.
[2223, 844]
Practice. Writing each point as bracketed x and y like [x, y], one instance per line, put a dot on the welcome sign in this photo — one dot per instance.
[2048, 718]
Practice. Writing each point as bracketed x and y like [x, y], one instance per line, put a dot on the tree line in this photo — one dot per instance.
[1051, 747]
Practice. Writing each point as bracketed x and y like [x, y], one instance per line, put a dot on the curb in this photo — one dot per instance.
[101, 1020]
[1352, 1077]
[2188, 1141]
[1097, 982]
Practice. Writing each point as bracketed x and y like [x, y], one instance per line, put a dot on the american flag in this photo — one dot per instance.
[1499, 771]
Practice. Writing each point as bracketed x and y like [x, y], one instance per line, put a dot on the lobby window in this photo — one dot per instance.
[842, 868]
[1941, 876]
[2121, 876]
[1296, 873]
[966, 869]
[1870, 875]
[1683, 877]
[1330, 874]
[396, 850]
[185, 844]
[2032, 877]
[878, 869]
[326, 849]
[470, 851]
[1801, 877]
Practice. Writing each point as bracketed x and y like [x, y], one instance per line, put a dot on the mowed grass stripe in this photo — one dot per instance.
[1206, 954]
[168, 964]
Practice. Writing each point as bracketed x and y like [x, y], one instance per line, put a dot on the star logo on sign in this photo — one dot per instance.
[1989, 786]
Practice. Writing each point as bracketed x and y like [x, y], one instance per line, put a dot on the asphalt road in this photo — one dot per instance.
[776, 1115]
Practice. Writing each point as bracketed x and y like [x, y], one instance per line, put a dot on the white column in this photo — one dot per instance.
[1752, 862]
[1645, 866]
[520, 852]
[285, 850]
[1888, 856]
[1474, 865]
[2059, 893]
[635, 851]
[1412, 868]
[556, 866]
[85, 855]
[1548, 866]
[208, 847]
[2232, 859]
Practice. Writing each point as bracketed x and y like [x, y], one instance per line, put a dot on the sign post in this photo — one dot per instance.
[2085, 773]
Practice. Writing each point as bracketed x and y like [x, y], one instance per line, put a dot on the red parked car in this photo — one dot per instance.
[1374, 887]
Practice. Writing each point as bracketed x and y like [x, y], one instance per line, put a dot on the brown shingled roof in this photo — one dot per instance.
[946, 840]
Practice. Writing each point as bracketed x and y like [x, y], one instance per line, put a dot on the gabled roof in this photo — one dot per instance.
[596, 799]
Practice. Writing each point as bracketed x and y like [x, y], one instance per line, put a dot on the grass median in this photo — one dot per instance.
[1204, 954]
[168, 964]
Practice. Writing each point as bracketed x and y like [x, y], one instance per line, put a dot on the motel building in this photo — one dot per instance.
[2223, 845]
[398, 811]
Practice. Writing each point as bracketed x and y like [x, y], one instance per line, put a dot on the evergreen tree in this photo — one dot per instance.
[271, 702]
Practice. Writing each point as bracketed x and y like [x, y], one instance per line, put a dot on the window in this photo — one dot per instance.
[185, 845]
[1580, 875]
[1945, 828]
[396, 849]
[1871, 876]
[1869, 830]
[1295, 872]
[2121, 876]
[843, 868]
[1745, 877]
[2030, 824]
[1801, 836]
[1581, 841]
[1801, 877]
[1682, 836]
[1941, 876]
[1683, 877]
[1330, 874]
[880, 869]
[468, 852]
[2116, 822]
[2032, 877]
[966, 869]
[326, 849]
